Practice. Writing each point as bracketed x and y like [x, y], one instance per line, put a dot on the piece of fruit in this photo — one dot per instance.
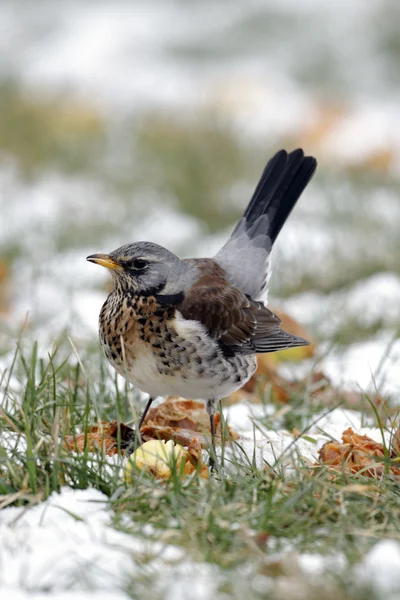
[162, 458]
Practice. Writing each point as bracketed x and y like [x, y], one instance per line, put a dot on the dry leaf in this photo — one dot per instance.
[356, 453]
[396, 442]
[186, 422]
[100, 438]
[182, 421]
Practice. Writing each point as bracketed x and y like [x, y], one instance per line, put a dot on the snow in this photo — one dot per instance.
[66, 547]
[371, 366]
[63, 543]
[66, 595]
[380, 569]
[367, 366]
[374, 298]
[280, 447]
[316, 564]
[68, 543]
[351, 141]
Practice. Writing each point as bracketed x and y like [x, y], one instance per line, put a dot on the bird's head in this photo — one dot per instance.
[143, 268]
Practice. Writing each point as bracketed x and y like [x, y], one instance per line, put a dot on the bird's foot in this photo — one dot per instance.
[213, 464]
[133, 443]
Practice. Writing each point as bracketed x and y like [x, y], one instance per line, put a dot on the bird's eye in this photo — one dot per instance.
[139, 264]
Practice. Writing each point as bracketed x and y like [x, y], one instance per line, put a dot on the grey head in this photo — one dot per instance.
[145, 268]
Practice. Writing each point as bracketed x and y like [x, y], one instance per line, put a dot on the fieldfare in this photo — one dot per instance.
[193, 327]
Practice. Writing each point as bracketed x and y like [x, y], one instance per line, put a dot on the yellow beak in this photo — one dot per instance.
[104, 260]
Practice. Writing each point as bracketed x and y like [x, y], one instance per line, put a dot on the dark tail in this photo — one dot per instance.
[281, 185]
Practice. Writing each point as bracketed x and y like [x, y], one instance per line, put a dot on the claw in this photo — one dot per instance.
[135, 442]
[213, 464]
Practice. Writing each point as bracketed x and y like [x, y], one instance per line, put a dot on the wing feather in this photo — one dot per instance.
[237, 322]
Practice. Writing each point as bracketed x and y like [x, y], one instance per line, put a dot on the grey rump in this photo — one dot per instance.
[193, 327]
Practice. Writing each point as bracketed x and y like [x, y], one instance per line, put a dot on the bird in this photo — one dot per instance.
[193, 327]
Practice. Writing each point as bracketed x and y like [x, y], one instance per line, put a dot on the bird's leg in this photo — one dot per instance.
[136, 439]
[146, 410]
[211, 409]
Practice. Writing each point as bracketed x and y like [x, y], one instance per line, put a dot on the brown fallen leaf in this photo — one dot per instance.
[178, 412]
[356, 453]
[100, 438]
[179, 436]
[396, 442]
[183, 421]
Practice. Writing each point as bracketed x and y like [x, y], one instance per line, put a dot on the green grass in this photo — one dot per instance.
[42, 133]
[193, 160]
[237, 518]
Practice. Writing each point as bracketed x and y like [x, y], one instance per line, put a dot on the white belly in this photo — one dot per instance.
[143, 373]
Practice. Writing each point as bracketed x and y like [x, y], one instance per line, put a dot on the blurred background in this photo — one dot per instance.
[134, 120]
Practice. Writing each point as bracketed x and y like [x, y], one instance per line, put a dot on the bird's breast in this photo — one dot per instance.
[162, 353]
[128, 323]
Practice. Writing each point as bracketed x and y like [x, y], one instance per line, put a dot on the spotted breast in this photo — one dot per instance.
[162, 353]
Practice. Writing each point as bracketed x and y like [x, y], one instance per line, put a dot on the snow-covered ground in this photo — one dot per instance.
[67, 546]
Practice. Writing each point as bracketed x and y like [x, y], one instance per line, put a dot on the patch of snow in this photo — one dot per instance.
[336, 421]
[241, 416]
[280, 447]
[190, 580]
[351, 140]
[63, 543]
[371, 366]
[317, 564]
[12, 442]
[374, 299]
[66, 595]
[68, 543]
[272, 448]
[380, 569]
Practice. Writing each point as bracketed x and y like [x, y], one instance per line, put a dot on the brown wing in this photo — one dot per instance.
[224, 311]
[239, 323]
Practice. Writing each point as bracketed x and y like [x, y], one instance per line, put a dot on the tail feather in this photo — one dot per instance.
[280, 341]
[246, 255]
[282, 183]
